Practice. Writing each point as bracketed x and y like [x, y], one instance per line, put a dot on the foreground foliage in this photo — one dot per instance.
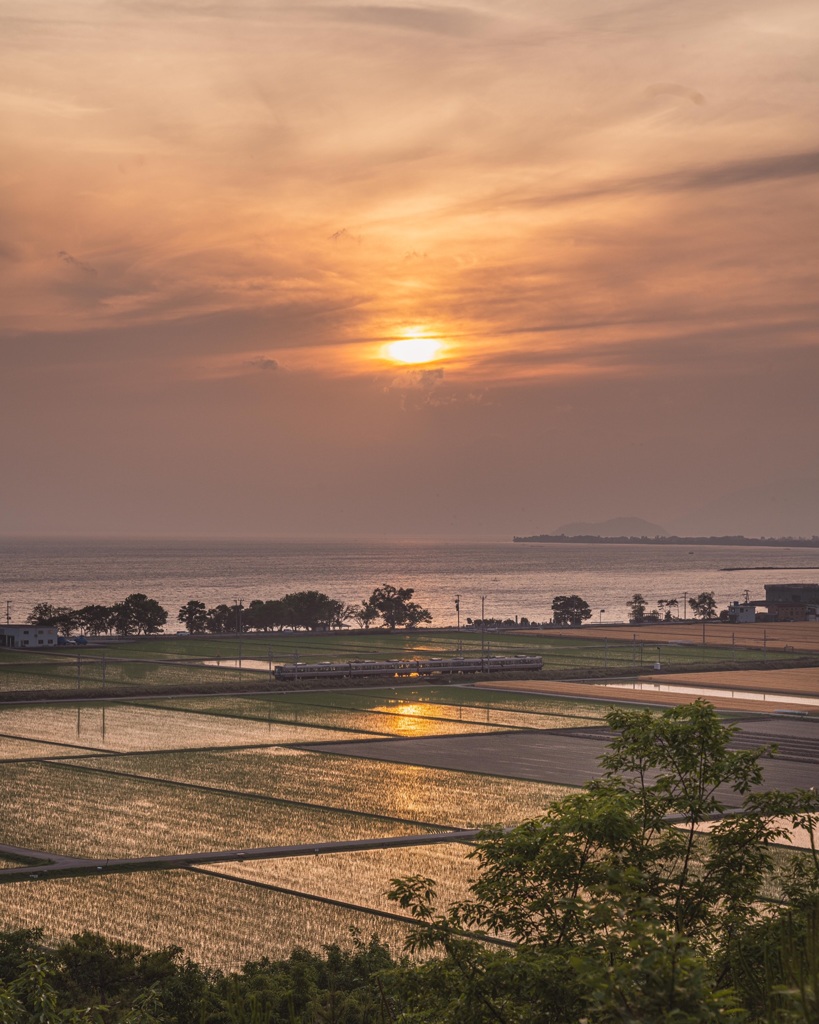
[614, 907]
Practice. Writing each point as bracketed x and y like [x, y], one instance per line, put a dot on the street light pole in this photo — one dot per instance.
[601, 615]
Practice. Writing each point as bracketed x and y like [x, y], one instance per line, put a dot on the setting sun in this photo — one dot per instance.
[414, 350]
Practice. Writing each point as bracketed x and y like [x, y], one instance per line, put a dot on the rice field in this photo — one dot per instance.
[73, 673]
[154, 664]
[364, 877]
[450, 696]
[121, 779]
[13, 749]
[217, 922]
[454, 799]
[377, 723]
[121, 727]
[79, 813]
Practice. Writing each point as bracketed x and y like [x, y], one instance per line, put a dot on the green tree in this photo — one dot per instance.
[704, 606]
[139, 614]
[638, 604]
[95, 619]
[570, 611]
[44, 614]
[365, 614]
[194, 616]
[65, 619]
[396, 608]
[310, 609]
[221, 619]
[616, 900]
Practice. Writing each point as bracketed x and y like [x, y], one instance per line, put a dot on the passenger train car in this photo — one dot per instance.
[420, 667]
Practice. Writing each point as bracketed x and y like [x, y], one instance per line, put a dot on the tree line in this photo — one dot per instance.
[138, 615]
[613, 907]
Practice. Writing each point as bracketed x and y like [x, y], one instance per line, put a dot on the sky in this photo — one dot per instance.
[376, 270]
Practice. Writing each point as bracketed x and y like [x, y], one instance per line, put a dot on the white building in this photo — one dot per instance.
[28, 636]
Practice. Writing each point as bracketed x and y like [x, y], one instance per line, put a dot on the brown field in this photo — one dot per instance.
[774, 636]
[802, 682]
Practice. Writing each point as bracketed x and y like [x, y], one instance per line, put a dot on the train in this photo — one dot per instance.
[404, 667]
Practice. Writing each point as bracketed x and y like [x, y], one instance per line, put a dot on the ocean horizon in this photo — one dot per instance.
[515, 580]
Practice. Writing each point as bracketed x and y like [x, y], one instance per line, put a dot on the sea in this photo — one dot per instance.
[510, 579]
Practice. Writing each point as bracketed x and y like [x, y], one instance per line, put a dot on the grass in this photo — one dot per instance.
[557, 651]
[90, 671]
[147, 663]
[457, 799]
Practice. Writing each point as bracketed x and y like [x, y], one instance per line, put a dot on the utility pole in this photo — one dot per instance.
[458, 610]
[238, 603]
[483, 629]
[8, 613]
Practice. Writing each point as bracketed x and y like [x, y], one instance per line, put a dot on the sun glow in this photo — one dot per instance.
[414, 348]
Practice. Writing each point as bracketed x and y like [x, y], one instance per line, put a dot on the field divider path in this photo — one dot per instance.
[244, 794]
[58, 743]
[72, 867]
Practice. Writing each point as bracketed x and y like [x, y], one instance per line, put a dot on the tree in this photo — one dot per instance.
[570, 611]
[44, 614]
[704, 606]
[221, 619]
[310, 609]
[396, 607]
[194, 616]
[66, 620]
[619, 906]
[638, 605]
[95, 619]
[139, 614]
[667, 604]
[365, 614]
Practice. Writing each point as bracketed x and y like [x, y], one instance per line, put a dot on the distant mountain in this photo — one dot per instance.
[625, 526]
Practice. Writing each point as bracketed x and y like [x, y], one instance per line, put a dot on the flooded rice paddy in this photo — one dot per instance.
[120, 727]
[363, 877]
[412, 714]
[218, 922]
[408, 792]
[132, 779]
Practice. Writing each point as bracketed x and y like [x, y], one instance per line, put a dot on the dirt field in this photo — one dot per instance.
[803, 682]
[773, 636]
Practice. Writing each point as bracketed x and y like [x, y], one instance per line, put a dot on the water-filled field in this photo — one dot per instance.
[364, 876]
[408, 792]
[119, 727]
[111, 779]
[218, 922]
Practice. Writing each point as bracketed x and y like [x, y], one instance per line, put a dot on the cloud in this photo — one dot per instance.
[671, 89]
[72, 261]
[780, 167]
[263, 363]
[448, 21]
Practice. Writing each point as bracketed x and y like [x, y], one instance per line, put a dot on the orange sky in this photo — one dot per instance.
[217, 215]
